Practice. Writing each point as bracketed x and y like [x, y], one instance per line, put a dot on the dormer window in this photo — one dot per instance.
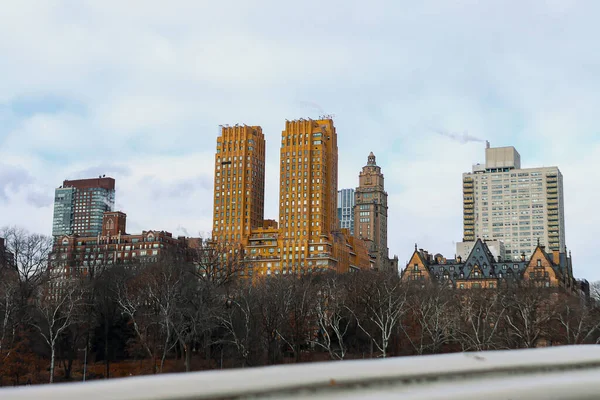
[504, 266]
[476, 273]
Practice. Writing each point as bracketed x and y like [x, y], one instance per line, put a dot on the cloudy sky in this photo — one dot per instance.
[136, 90]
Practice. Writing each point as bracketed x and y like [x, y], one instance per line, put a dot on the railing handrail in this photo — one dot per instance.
[569, 372]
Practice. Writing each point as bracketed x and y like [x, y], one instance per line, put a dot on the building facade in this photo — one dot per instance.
[481, 270]
[239, 182]
[81, 255]
[345, 209]
[307, 237]
[79, 206]
[502, 201]
[371, 211]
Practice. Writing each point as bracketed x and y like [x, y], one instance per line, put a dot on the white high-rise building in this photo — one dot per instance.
[517, 206]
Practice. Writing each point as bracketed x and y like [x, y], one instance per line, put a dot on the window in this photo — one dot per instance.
[416, 267]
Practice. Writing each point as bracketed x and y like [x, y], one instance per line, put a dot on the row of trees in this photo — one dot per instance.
[172, 315]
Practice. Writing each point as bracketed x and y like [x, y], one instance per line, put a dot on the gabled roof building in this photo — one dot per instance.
[482, 270]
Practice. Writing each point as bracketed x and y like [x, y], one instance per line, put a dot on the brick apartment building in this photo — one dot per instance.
[83, 254]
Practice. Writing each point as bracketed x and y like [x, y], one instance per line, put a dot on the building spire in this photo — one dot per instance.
[371, 159]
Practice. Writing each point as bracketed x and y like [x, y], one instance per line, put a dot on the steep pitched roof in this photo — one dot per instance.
[480, 255]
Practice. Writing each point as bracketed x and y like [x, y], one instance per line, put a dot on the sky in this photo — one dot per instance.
[136, 90]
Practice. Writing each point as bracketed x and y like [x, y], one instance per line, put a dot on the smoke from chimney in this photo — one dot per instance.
[462, 138]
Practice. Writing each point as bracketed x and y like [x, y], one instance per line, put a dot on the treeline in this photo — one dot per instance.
[175, 315]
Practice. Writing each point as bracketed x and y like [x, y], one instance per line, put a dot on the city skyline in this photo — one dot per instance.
[424, 107]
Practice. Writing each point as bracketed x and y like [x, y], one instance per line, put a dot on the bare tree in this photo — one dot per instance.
[479, 315]
[55, 310]
[430, 316]
[272, 305]
[162, 286]
[575, 322]
[595, 292]
[216, 262]
[332, 316]
[379, 302]
[132, 299]
[528, 312]
[9, 308]
[298, 316]
[239, 322]
[30, 251]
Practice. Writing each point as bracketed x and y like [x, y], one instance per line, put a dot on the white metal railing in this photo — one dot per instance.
[569, 372]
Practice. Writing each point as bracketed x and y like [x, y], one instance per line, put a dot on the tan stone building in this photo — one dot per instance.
[371, 212]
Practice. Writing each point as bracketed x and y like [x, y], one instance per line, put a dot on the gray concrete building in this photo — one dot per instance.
[518, 206]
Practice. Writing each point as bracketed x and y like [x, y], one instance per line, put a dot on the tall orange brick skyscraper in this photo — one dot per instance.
[239, 194]
[308, 180]
[308, 192]
[306, 238]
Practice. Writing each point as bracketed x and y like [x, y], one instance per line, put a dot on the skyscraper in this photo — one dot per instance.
[345, 209]
[518, 206]
[308, 181]
[79, 206]
[239, 182]
[370, 211]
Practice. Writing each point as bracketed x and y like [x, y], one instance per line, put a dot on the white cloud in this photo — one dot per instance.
[154, 81]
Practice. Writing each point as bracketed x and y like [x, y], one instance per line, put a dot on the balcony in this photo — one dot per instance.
[262, 236]
[261, 257]
[260, 243]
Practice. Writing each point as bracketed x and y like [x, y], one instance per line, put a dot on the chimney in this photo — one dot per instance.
[487, 144]
[556, 256]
